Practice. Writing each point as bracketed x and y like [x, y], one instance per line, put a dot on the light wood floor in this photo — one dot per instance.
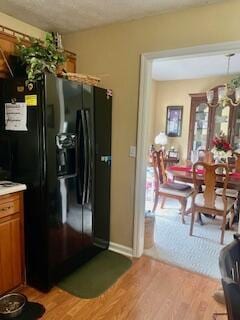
[149, 290]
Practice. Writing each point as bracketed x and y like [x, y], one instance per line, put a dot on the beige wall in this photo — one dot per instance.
[114, 51]
[20, 26]
[153, 107]
[176, 93]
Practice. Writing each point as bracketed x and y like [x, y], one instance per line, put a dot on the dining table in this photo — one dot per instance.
[185, 174]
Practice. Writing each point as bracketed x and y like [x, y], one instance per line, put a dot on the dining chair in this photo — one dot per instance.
[237, 164]
[167, 189]
[208, 201]
[231, 193]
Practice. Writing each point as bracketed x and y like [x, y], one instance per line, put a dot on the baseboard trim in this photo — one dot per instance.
[124, 250]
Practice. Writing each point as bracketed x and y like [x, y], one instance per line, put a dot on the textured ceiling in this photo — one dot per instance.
[72, 15]
[193, 68]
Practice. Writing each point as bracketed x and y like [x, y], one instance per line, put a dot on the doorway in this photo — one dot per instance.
[144, 123]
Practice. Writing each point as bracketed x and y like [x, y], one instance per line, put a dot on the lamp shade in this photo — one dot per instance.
[161, 139]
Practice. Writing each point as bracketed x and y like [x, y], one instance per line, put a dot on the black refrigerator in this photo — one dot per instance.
[64, 158]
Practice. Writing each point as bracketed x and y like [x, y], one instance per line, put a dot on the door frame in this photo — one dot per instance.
[144, 112]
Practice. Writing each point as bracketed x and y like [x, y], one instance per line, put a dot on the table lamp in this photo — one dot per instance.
[161, 139]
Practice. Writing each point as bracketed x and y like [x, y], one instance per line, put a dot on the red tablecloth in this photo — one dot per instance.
[180, 168]
[235, 175]
[184, 169]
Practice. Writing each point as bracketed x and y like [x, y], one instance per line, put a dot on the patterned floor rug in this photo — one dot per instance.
[173, 244]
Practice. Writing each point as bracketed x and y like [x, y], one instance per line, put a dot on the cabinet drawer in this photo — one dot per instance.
[9, 208]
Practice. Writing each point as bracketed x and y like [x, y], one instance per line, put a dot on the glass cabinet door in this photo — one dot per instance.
[221, 121]
[201, 127]
[207, 122]
[236, 133]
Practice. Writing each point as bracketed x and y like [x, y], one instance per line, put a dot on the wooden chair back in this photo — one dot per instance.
[205, 156]
[237, 163]
[159, 169]
[210, 174]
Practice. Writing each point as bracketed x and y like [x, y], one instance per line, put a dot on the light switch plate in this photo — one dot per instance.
[132, 151]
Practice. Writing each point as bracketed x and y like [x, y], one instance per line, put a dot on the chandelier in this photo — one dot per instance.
[224, 92]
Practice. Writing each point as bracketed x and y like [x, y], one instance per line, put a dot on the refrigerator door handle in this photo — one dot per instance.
[89, 156]
[78, 161]
[85, 155]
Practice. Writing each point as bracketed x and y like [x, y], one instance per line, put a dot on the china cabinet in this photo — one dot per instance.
[206, 122]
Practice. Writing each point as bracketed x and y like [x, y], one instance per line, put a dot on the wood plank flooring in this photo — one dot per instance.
[150, 290]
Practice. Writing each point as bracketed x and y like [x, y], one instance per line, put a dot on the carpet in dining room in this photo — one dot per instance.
[173, 244]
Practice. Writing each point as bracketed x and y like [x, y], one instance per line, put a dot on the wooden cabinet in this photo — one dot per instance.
[8, 40]
[12, 270]
[70, 63]
[206, 122]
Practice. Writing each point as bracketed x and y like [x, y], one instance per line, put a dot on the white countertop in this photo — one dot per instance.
[6, 187]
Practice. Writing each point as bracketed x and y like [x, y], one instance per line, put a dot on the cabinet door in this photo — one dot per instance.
[235, 136]
[201, 127]
[221, 121]
[10, 254]
[69, 65]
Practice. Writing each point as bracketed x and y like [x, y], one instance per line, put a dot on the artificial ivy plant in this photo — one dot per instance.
[40, 56]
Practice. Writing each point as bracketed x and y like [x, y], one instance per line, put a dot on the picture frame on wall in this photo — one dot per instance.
[174, 121]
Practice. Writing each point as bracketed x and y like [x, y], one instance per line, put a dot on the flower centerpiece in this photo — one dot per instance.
[222, 149]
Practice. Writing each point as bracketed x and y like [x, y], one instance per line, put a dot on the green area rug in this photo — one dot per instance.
[96, 276]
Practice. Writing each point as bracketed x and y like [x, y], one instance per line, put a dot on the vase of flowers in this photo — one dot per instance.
[222, 149]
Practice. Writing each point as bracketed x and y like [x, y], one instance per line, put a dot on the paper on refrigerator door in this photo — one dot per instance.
[16, 116]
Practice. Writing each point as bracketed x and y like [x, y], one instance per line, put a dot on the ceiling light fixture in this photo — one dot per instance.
[224, 92]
